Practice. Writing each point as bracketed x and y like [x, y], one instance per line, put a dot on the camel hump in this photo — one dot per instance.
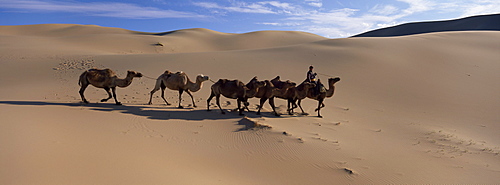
[222, 81]
[277, 78]
[99, 75]
[102, 72]
[165, 74]
[225, 83]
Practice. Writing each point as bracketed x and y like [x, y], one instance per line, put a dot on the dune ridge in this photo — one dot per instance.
[473, 23]
[95, 39]
[417, 109]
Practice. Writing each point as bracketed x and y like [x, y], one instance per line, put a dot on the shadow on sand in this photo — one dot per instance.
[151, 112]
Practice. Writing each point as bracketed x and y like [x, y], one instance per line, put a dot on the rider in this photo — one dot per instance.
[311, 77]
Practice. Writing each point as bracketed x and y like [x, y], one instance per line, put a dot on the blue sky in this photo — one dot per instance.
[329, 18]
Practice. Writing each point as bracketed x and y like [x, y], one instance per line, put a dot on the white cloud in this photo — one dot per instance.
[384, 9]
[286, 6]
[417, 6]
[315, 3]
[260, 7]
[482, 7]
[240, 7]
[104, 9]
[281, 23]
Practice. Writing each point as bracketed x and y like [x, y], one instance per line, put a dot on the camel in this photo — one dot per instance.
[276, 88]
[298, 93]
[264, 93]
[320, 97]
[234, 89]
[107, 79]
[178, 81]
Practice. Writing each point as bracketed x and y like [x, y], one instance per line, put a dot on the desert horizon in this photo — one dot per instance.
[413, 109]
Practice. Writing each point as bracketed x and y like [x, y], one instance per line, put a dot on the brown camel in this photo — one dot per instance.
[234, 89]
[264, 93]
[179, 82]
[107, 79]
[298, 93]
[279, 89]
[320, 96]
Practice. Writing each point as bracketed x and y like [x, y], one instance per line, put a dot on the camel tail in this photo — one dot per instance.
[82, 77]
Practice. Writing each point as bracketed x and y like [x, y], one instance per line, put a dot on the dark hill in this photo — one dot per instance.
[474, 23]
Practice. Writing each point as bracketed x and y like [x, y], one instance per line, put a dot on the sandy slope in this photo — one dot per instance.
[416, 109]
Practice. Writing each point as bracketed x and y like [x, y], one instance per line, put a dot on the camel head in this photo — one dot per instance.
[133, 74]
[333, 80]
[202, 78]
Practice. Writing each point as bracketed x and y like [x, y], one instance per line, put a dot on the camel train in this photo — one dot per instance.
[265, 90]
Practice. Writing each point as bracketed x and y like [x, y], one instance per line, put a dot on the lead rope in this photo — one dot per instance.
[155, 78]
[326, 75]
[149, 77]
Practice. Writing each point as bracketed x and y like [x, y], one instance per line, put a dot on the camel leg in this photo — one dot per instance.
[262, 101]
[180, 98]
[192, 98]
[107, 89]
[163, 94]
[294, 104]
[159, 84]
[157, 87]
[210, 99]
[291, 106]
[82, 89]
[300, 106]
[271, 102]
[288, 109]
[240, 108]
[114, 95]
[246, 104]
[217, 100]
[320, 105]
[151, 96]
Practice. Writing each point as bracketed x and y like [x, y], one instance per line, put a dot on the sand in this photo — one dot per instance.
[419, 109]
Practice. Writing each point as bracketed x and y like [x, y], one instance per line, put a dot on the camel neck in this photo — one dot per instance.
[125, 82]
[330, 91]
[252, 91]
[196, 86]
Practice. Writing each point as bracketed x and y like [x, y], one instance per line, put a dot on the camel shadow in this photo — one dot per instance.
[150, 112]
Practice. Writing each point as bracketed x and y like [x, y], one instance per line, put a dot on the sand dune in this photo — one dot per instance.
[474, 23]
[89, 39]
[420, 109]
